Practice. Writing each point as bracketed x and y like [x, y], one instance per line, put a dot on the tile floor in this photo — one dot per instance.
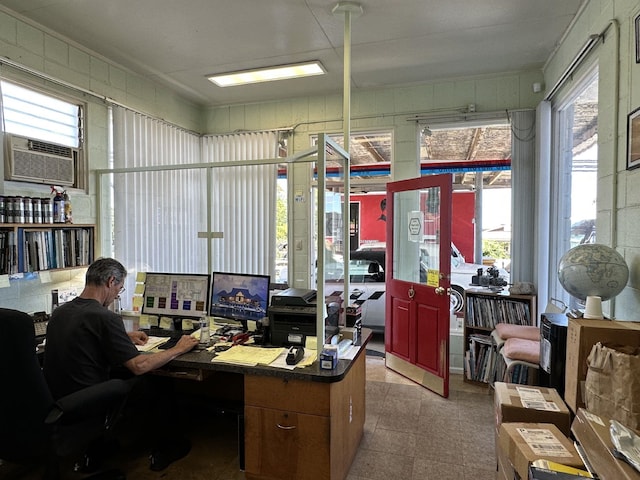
[410, 434]
[413, 434]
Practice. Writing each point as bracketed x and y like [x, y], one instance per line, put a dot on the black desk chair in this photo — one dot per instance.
[34, 429]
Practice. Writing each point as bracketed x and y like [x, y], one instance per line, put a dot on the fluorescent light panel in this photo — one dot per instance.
[267, 74]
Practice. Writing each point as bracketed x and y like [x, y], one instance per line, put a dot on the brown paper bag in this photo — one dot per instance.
[612, 388]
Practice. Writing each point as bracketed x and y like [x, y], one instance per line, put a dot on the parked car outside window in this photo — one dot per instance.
[367, 281]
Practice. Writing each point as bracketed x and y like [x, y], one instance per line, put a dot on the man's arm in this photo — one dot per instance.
[145, 362]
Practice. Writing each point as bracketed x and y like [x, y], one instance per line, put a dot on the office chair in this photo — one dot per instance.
[35, 429]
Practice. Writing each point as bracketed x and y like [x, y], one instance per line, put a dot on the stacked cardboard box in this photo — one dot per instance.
[530, 404]
[592, 432]
[519, 444]
[582, 335]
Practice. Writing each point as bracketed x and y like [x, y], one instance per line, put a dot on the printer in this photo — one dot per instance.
[292, 314]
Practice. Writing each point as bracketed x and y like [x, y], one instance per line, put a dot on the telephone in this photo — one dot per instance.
[295, 354]
[40, 321]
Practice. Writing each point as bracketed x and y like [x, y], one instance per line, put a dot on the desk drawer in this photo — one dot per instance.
[286, 445]
[294, 395]
[186, 373]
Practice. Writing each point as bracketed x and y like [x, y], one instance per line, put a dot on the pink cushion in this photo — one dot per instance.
[528, 332]
[521, 349]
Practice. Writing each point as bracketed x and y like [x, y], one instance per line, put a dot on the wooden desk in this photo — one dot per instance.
[304, 423]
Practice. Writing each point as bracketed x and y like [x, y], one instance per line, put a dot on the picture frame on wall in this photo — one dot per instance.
[633, 139]
[637, 38]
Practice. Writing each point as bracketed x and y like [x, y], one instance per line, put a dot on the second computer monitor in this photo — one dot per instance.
[239, 296]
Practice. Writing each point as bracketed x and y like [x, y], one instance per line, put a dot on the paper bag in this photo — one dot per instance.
[612, 388]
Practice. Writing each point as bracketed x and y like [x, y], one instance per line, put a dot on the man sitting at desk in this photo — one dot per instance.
[86, 341]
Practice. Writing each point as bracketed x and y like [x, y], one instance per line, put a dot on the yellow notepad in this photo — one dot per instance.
[243, 355]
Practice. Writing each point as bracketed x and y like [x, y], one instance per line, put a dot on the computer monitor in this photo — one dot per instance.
[239, 296]
[176, 295]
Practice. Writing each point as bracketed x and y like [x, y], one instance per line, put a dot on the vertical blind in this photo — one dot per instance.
[157, 215]
[523, 178]
[243, 202]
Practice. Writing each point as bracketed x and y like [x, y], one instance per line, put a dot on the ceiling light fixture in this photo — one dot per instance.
[268, 74]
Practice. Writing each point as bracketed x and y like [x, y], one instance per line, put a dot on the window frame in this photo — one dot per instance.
[81, 167]
[561, 180]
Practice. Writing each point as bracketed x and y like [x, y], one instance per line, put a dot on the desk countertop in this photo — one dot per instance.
[202, 360]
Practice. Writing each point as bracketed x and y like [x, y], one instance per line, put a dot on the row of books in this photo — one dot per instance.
[480, 359]
[486, 312]
[34, 250]
[8, 252]
[50, 249]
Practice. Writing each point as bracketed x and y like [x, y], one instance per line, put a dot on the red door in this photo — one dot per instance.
[418, 266]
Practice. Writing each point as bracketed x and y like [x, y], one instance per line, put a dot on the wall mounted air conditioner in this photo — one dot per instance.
[29, 160]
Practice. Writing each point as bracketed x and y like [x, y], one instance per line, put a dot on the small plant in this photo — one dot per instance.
[495, 249]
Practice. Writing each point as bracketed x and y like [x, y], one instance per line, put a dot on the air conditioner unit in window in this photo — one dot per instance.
[36, 161]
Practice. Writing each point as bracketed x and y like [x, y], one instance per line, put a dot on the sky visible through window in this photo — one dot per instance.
[34, 115]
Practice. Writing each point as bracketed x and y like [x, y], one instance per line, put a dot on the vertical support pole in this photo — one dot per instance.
[346, 122]
[209, 238]
[320, 302]
[348, 9]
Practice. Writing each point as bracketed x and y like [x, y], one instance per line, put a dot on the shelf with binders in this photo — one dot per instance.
[483, 310]
[36, 247]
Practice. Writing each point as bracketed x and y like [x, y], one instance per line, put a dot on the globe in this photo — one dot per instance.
[593, 269]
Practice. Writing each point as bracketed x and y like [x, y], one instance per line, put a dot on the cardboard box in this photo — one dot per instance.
[531, 404]
[525, 442]
[582, 335]
[505, 469]
[592, 432]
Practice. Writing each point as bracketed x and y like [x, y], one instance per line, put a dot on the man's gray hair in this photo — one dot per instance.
[102, 269]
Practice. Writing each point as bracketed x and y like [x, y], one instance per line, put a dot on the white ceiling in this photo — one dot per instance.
[394, 42]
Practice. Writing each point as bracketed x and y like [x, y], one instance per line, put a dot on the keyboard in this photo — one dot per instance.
[173, 339]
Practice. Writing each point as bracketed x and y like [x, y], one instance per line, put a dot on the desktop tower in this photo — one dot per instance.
[553, 350]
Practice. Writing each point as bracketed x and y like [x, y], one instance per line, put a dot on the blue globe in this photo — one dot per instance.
[593, 269]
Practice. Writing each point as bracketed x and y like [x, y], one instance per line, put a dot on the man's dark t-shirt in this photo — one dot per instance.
[84, 341]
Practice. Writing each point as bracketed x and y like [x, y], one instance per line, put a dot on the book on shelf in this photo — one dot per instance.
[30, 249]
[480, 358]
[486, 312]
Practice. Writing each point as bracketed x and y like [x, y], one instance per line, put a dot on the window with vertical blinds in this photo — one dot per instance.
[243, 202]
[158, 216]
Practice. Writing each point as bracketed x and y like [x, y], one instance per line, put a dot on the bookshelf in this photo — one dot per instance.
[483, 310]
[35, 247]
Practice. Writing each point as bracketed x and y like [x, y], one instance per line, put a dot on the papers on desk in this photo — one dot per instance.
[273, 357]
[252, 356]
[152, 342]
[308, 358]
